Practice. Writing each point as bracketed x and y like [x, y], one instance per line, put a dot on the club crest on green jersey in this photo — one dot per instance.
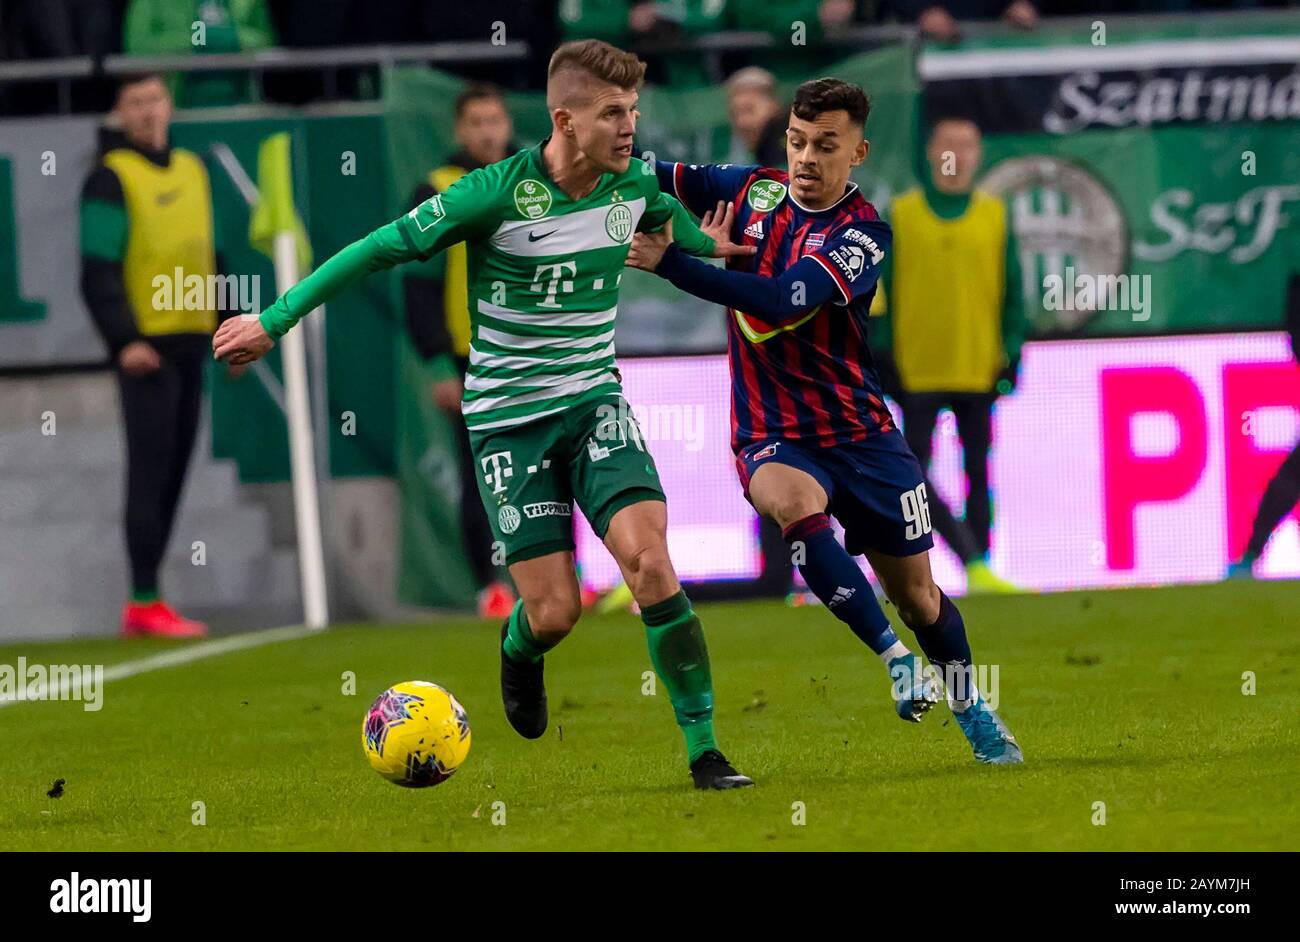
[618, 222]
[766, 195]
[532, 199]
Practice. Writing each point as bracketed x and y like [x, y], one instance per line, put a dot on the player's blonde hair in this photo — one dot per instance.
[599, 60]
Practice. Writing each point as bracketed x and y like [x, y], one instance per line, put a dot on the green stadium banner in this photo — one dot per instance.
[1169, 154]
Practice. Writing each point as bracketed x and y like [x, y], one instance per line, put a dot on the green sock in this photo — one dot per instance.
[681, 659]
[519, 642]
[145, 597]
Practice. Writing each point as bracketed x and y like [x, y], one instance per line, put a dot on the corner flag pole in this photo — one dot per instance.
[302, 455]
[275, 222]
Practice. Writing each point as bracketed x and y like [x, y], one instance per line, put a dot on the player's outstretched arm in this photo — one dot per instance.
[711, 238]
[247, 338]
[809, 283]
[463, 212]
[700, 186]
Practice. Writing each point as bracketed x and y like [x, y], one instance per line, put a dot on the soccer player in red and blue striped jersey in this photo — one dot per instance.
[811, 432]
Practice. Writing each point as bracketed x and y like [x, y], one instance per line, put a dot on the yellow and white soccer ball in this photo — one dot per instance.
[416, 734]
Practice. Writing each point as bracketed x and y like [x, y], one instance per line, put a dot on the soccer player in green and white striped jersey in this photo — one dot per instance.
[547, 232]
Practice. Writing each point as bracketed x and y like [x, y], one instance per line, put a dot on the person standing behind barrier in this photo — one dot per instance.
[954, 324]
[146, 213]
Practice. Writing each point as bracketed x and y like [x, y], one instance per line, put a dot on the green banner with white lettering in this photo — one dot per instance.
[1153, 173]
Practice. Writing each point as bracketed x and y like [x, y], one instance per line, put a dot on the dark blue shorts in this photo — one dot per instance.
[876, 488]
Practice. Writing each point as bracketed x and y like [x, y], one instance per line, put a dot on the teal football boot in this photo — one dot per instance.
[989, 737]
[915, 693]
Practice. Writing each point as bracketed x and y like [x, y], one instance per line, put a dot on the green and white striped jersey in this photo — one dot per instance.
[543, 278]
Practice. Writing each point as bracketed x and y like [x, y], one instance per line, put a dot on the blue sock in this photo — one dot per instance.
[836, 579]
[945, 644]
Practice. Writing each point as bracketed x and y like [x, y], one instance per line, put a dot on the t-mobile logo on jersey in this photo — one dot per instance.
[497, 467]
[555, 282]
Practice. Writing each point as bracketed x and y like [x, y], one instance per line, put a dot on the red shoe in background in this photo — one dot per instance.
[158, 620]
[496, 601]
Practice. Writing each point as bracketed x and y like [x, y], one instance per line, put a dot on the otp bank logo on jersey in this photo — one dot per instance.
[532, 199]
[766, 195]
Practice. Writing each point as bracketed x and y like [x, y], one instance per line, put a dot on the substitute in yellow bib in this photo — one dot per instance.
[148, 264]
[437, 318]
[954, 322]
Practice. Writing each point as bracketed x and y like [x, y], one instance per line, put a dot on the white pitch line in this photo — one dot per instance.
[197, 652]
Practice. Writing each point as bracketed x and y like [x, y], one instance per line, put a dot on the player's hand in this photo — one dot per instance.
[447, 394]
[235, 372]
[241, 339]
[648, 248]
[139, 358]
[716, 224]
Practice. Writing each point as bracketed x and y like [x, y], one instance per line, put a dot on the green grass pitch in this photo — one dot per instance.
[1130, 698]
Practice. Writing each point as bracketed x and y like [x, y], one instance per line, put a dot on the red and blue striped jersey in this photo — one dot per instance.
[809, 378]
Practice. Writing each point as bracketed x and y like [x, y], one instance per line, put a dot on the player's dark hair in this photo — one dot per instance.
[477, 91]
[829, 94]
[605, 62]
